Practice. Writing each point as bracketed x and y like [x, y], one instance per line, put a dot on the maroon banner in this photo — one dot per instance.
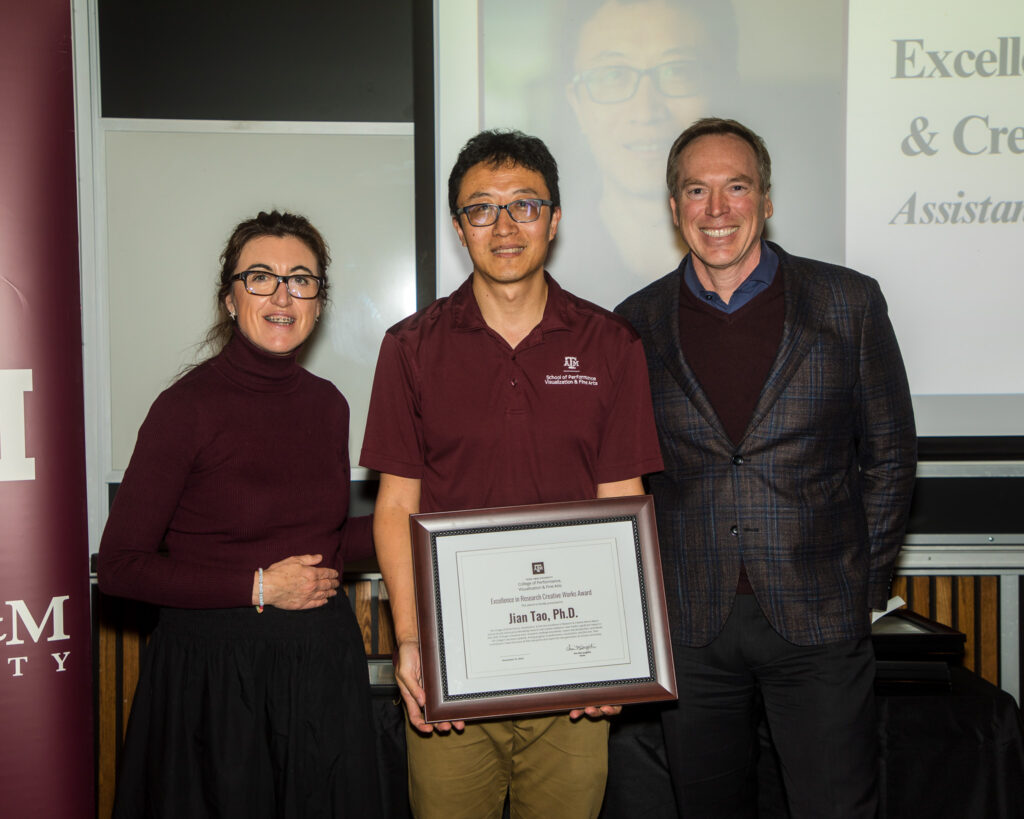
[46, 740]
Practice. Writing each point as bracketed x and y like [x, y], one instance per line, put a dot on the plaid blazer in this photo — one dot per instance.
[815, 496]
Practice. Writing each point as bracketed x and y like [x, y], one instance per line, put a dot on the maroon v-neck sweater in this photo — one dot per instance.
[731, 355]
[240, 463]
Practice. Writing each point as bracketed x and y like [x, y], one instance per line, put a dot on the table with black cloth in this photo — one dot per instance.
[949, 755]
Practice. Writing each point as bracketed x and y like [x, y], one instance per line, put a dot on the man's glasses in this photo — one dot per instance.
[618, 83]
[263, 283]
[521, 210]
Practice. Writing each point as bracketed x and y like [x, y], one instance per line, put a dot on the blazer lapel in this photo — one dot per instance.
[664, 334]
[804, 306]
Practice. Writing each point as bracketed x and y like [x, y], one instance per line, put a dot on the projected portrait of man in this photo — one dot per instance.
[642, 70]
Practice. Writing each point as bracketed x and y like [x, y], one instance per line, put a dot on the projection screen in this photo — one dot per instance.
[897, 141]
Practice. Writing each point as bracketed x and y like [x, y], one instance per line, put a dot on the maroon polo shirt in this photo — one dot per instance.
[482, 424]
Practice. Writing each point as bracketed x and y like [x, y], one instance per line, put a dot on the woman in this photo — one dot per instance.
[253, 699]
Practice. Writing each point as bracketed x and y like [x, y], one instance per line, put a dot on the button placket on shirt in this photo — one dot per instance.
[514, 380]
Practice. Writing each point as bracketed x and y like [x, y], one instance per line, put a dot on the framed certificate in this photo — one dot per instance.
[529, 609]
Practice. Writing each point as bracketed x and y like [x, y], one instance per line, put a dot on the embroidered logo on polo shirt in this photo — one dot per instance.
[570, 375]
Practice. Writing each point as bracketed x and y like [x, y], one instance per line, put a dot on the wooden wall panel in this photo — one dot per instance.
[965, 618]
[373, 613]
[105, 687]
[969, 604]
[386, 628]
[943, 609]
[120, 631]
[922, 592]
[988, 629]
[360, 594]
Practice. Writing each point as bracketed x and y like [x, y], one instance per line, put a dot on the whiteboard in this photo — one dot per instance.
[173, 199]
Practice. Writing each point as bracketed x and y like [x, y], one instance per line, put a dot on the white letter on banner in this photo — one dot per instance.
[14, 466]
[19, 611]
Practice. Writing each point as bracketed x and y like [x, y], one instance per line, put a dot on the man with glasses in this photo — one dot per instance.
[641, 71]
[510, 391]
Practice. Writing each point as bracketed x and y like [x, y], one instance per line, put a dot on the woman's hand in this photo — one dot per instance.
[295, 583]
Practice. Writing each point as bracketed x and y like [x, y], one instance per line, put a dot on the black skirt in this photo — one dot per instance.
[243, 714]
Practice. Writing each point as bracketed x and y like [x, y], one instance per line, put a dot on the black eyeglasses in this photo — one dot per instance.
[521, 210]
[264, 283]
[617, 83]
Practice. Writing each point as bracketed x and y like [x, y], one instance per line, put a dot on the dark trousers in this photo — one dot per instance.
[819, 706]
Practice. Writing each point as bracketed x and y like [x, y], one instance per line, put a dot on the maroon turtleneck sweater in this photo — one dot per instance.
[241, 463]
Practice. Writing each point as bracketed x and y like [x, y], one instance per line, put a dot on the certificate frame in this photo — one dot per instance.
[615, 650]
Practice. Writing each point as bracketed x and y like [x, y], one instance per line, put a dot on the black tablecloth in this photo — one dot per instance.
[957, 755]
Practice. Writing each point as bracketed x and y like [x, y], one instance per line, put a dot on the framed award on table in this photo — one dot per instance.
[543, 608]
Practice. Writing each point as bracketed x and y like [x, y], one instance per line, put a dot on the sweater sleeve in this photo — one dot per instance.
[355, 541]
[131, 563]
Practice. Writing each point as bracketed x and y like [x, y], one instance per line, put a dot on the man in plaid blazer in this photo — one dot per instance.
[788, 438]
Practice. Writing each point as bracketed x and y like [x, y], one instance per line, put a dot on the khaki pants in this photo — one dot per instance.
[550, 767]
